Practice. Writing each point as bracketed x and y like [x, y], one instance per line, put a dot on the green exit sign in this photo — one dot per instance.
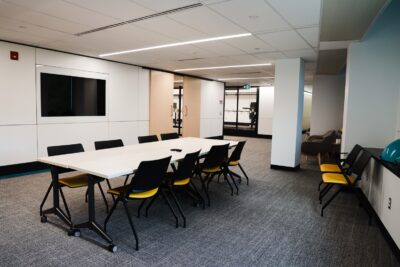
[246, 86]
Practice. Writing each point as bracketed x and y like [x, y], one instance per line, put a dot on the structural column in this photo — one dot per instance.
[288, 113]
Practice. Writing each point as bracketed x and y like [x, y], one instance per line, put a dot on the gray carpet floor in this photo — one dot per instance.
[274, 221]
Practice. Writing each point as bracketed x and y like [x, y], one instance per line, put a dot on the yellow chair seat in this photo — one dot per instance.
[145, 194]
[233, 163]
[212, 170]
[79, 180]
[336, 178]
[182, 182]
[329, 168]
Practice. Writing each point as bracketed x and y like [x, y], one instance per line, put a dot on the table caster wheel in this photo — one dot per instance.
[74, 232]
[112, 248]
[43, 219]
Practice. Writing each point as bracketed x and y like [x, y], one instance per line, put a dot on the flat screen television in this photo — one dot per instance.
[65, 96]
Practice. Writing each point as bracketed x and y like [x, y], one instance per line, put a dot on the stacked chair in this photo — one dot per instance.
[345, 177]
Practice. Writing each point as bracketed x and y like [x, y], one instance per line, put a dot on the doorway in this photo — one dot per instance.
[177, 114]
[241, 111]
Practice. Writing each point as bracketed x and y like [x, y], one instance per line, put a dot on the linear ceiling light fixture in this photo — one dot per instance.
[227, 67]
[247, 78]
[177, 44]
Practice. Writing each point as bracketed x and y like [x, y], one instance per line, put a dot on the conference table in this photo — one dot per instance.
[115, 162]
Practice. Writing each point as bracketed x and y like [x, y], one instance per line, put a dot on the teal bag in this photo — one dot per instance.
[391, 153]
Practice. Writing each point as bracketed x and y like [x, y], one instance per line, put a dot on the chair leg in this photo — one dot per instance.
[140, 207]
[227, 181]
[149, 205]
[44, 199]
[104, 197]
[219, 175]
[205, 189]
[170, 207]
[65, 204]
[245, 175]
[109, 187]
[330, 200]
[324, 191]
[234, 183]
[178, 205]
[319, 186]
[210, 179]
[198, 194]
[86, 195]
[110, 213]
[131, 222]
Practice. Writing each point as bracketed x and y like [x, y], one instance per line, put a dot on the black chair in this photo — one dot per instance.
[182, 179]
[147, 139]
[75, 181]
[347, 180]
[234, 160]
[144, 185]
[106, 144]
[213, 164]
[168, 136]
[343, 165]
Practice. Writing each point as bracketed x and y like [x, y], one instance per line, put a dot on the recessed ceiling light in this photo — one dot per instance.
[226, 67]
[177, 44]
[247, 78]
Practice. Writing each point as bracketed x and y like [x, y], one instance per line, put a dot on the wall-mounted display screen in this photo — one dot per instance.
[63, 96]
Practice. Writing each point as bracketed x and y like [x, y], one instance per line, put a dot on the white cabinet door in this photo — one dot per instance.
[391, 204]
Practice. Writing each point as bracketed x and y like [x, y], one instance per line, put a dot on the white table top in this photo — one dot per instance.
[115, 162]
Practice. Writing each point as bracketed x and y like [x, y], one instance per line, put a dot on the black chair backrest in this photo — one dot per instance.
[108, 144]
[149, 175]
[186, 166]
[361, 163]
[235, 156]
[168, 136]
[219, 137]
[216, 156]
[62, 150]
[352, 156]
[147, 139]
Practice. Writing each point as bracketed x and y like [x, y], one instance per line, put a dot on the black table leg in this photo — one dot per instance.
[56, 210]
[92, 224]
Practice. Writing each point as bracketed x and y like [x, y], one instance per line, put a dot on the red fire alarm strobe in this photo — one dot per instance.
[14, 55]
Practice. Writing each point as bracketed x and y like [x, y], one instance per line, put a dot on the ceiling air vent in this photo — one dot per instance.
[167, 12]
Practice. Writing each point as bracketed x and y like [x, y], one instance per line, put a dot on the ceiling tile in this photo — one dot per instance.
[158, 5]
[305, 54]
[123, 9]
[219, 49]
[22, 14]
[66, 11]
[311, 35]
[171, 28]
[269, 56]
[250, 44]
[19, 37]
[285, 40]
[298, 13]
[207, 21]
[254, 17]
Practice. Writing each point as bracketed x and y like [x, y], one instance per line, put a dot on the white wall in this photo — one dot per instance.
[265, 110]
[327, 103]
[211, 108]
[24, 135]
[288, 112]
[373, 84]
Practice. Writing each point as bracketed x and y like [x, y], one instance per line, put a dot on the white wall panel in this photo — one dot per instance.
[127, 131]
[17, 85]
[212, 97]
[143, 128]
[143, 94]
[123, 92]
[265, 110]
[210, 127]
[63, 134]
[18, 144]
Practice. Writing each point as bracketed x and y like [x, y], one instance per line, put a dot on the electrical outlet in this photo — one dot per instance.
[390, 203]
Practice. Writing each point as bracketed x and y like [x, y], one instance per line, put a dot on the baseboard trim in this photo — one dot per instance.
[9, 171]
[285, 168]
[218, 137]
[393, 246]
[265, 136]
